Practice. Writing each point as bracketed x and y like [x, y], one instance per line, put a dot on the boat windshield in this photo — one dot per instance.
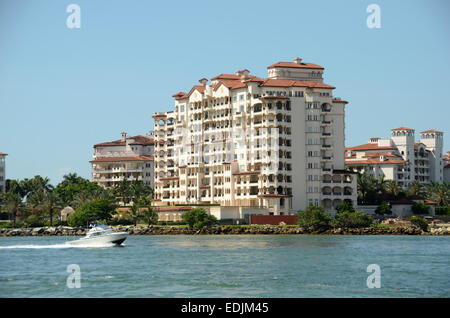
[99, 230]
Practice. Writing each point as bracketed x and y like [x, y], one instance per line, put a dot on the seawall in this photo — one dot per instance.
[225, 230]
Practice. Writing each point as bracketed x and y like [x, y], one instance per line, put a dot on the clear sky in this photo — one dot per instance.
[63, 90]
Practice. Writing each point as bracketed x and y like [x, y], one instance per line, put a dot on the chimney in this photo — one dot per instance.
[203, 81]
[124, 136]
[298, 60]
[243, 74]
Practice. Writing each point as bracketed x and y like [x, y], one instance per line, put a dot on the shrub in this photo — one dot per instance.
[419, 222]
[383, 208]
[345, 207]
[313, 218]
[33, 221]
[198, 218]
[442, 210]
[420, 208]
[349, 219]
[100, 209]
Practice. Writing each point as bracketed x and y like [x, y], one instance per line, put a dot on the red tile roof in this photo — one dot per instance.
[291, 83]
[339, 101]
[230, 77]
[431, 131]
[231, 84]
[402, 128]
[403, 201]
[373, 161]
[137, 140]
[295, 65]
[120, 159]
[369, 146]
[180, 95]
[3, 154]
[171, 208]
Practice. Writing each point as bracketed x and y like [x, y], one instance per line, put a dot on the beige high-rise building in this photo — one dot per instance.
[401, 158]
[3, 171]
[128, 158]
[238, 140]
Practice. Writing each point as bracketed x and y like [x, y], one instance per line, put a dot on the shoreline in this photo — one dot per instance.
[226, 230]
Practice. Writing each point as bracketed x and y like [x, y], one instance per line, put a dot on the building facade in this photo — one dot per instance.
[128, 158]
[446, 159]
[400, 158]
[3, 171]
[276, 143]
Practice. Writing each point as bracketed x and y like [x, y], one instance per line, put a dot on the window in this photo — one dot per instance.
[241, 97]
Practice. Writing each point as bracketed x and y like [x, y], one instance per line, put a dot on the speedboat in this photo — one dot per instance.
[99, 235]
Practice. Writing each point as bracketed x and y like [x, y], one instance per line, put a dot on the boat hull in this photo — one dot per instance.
[113, 238]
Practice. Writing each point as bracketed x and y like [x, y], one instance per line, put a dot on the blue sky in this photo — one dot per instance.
[63, 90]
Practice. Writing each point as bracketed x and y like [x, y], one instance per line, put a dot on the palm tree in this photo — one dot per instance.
[50, 204]
[122, 190]
[150, 216]
[367, 185]
[380, 183]
[391, 187]
[415, 189]
[439, 192]
[13, 204]
[134, 213]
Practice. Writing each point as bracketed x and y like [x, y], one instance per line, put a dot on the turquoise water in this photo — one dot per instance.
[228, 266]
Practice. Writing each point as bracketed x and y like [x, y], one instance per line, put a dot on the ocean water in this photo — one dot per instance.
[228, 266]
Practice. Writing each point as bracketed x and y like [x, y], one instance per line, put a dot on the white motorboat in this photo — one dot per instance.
[100, 235]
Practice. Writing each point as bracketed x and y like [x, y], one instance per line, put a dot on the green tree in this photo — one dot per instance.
[383, 208]
[419, 222]
[134, 213]
[150, 216]
[51, 203]
[367, 188]
[346, 206]
[420, 208]
[101, 209]
[351, 219]
[416, 189]
[198, 218]
[13, 204]
[74, 190]
[439, 192]
[391, 187]
[313, 217]
[122, 190]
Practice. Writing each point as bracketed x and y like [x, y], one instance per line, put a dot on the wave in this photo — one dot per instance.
[63, 245]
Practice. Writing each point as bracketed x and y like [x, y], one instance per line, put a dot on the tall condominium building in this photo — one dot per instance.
[2, 171]
[243, 141]
[128, 158]
[447, 167]
[400, 158]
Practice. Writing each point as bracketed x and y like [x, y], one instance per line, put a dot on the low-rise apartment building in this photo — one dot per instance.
[3, 171]
[400, 158]
[128, 158]
[275, 143]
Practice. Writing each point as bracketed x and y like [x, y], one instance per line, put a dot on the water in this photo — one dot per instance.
[228, 266]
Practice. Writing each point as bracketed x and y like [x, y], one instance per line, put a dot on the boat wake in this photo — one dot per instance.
[64, 245]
